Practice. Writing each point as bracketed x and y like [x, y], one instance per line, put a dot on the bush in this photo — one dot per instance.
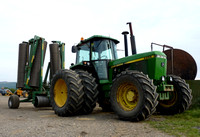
[196, 104]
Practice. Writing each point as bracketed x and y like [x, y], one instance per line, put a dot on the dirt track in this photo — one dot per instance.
[29, 121]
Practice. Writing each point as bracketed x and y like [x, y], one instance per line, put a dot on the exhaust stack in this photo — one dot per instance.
[132, 38]
[125, 42]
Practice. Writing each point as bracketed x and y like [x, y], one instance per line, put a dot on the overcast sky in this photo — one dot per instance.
[171, 22]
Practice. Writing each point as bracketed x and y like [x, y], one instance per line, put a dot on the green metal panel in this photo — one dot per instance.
[157, 67]
[105, 86]
[135, 58]
[104, 81]
[63, 56]
[46, 75]
[42, 63]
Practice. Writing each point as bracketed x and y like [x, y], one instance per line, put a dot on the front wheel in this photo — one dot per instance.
[180, 98]
[133, 96]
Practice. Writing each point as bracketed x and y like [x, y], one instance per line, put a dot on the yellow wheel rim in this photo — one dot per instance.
[171, 102]
[127, 96]
[60, 93]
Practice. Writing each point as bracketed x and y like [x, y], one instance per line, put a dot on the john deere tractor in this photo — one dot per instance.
[134, 87]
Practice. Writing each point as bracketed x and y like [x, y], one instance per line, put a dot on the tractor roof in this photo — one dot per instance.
[97, 37]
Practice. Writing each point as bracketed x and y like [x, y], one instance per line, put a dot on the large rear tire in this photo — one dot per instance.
[66, 93]
[90, 91]
[180, 100]
[133, 96]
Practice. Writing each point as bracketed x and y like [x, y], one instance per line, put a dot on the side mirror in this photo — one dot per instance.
[74, 49]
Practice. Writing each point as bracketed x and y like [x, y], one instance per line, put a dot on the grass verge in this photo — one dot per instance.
[185, 124]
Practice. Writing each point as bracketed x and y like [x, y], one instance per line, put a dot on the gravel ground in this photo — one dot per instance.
[29, 121]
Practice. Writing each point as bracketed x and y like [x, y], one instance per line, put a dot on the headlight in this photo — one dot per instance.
[170, 79]
[163, 78]
[160, 56]
[86, 63]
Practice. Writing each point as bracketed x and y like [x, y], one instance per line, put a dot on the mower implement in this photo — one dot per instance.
[30, 71]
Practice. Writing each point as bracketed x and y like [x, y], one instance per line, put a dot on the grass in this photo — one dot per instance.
[185, 124]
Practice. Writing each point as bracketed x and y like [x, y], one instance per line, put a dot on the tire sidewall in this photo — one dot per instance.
[10, 103]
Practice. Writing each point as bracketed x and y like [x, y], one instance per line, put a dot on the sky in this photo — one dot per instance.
[171, 22]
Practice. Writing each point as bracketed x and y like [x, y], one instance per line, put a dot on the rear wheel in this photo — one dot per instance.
[133, 96]
[180, 100]
[66, 93]
[13, 102]
[90, 91]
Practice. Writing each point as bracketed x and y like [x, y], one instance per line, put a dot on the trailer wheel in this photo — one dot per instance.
[133, 96]
[66, 93]
[90, 90]
[180, 100]
[13, 102]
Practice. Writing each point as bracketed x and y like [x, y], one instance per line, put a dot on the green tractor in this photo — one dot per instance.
[134, 87]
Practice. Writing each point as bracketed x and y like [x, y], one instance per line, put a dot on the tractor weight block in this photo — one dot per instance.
[35, 71]
[54, 58]
[42, 101]
[23, 54]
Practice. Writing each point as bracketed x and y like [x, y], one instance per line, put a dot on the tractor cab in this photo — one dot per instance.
[96, 51]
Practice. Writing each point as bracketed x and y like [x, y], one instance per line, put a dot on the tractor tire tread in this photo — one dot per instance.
[90, 91]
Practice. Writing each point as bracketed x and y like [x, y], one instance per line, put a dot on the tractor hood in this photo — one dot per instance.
[136, 58]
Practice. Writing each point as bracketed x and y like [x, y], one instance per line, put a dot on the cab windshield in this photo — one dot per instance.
[100, 50]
